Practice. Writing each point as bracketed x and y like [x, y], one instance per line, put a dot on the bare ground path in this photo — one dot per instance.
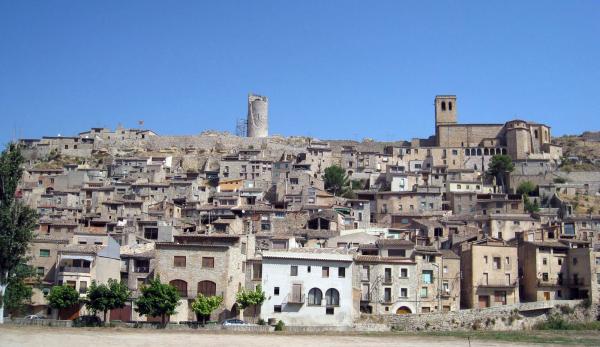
[63, 337]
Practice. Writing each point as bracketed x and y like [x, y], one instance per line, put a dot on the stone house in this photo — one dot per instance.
[209, 264]
[489, 274]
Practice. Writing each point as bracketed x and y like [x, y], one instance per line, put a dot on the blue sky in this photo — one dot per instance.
[332, 69]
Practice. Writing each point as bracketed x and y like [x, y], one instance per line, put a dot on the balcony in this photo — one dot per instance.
[386, 300]
[295, 298]
[551, 282]
[141, 269]
[75, 269]
[497, 284]
[576, 282]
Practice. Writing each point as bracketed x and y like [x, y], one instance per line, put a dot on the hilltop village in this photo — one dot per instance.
[421, 226]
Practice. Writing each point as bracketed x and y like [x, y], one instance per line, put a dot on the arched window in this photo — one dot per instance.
[315, 296]
[443, 106]
[207, 288]
[181, 287]
[449, 105]
[486, 151]
[535, 133]
[478, 151]
[332, 297]
[467, 152]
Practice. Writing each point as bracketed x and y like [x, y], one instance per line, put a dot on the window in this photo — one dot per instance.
[545, 261]
[445, 269]
[179, 261]
[151, 233]
[427, 276]
[423, 292]
[446, 287]
[44, 253]
[294, 270]
[387, 277]
[40, 271]
[574, 261]
[207, 288]
[332, 297]
[403, 292]
[485, 259]
[277, 308]
[559, 261]
[256, 271]
[276, 291]
[329, 310]
[341, 272]
[497, 263]
[308, 269]
[396, 253]
[315, 296]
[429, 258]
[325, 271]
[181, 287]
[208, 262]
[500, 296]
[545, 277]
[387, 294]
[404, 273]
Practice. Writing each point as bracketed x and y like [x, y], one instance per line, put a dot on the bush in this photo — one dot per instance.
[279, 326]
[586, 303]
[261, 322]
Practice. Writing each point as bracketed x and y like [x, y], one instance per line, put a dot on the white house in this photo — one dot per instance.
[308, 286]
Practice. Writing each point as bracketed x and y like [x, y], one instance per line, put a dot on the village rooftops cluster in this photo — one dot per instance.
[423, 229]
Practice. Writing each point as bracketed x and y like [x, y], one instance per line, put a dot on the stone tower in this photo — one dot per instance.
[258, 116]
[445, 110]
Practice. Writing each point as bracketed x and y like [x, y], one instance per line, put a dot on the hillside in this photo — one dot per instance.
[585, 147]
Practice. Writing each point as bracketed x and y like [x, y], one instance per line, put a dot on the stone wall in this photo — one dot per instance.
[510, 317]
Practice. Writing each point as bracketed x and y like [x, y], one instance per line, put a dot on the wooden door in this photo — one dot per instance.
[484, 301]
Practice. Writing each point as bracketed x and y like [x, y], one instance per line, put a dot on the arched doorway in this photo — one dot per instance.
[403, 310]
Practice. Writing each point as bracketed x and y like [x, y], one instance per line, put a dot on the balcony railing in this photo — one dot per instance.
[576, 282]
[295, 298]
[497, 284]
[386, 300]
[75, 269]
[551, 282]
[141, 269]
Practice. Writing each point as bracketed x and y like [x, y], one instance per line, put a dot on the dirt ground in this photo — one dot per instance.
[62, 337]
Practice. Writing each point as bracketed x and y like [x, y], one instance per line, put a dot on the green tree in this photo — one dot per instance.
[529, 206]
[17, 220]
[246, 298]
[526, 188]
[18, 293]
[157, 300]
[500, 166]
[337, 181]
[61, 297]
[105, 297]
[205, 305]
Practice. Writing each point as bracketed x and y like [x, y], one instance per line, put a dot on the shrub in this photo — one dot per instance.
[261, 322]
[279, 326]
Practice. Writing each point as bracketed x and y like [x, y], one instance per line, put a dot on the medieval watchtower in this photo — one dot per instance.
[258, 116]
